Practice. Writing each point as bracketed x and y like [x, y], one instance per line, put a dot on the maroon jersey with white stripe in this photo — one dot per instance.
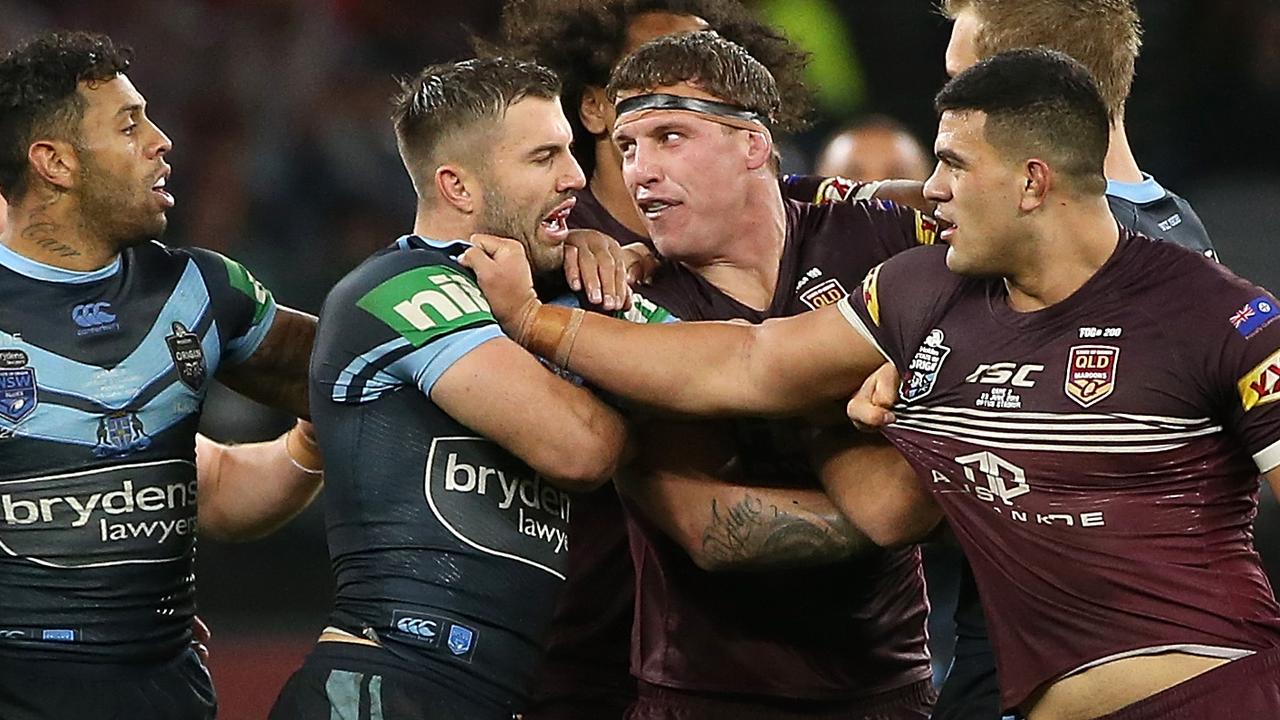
[843, 631]
[1098, 459]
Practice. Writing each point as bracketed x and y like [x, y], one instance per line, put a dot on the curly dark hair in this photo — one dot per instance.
[39, 80]
[582, 41]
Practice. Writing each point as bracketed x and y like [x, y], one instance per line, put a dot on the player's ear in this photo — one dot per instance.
[759, 149]
[1037, 180]
[595, 111]
[54, 161]
[453, 185]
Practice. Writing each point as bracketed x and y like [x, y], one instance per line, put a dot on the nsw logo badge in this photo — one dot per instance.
[188, 356]
[1091, 373]
[18, 390]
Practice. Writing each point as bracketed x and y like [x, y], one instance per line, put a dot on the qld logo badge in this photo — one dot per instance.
[188, 356]
[1091, 373]
[827, 292]
[18, 393]
[923, 371]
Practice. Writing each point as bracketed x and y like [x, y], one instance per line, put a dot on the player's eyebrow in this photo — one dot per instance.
[549, 149]
[949, 157]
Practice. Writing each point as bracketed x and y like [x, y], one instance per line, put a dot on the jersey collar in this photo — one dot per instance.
[1140, 192]
[24, 265]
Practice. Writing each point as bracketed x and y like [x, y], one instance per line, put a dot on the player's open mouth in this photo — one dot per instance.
[946, 228]
[159, 189]
[556, 223]
[652, 208]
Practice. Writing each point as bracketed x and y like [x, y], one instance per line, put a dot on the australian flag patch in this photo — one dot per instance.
[1255, 315]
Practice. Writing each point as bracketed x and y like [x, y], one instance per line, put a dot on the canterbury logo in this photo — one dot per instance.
[93, 314]
[418, 626]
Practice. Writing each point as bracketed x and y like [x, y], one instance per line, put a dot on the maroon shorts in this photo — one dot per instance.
[1244, 689]
[913, 702]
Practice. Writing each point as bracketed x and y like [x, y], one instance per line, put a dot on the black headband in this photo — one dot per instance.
[662, 101]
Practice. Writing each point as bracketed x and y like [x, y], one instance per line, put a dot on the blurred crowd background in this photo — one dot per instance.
[284, 159]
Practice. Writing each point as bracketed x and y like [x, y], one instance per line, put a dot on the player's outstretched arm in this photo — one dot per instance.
[686, 481]
[556, 427]
[249, 491]
[780, 367]
[276, 373]
[875, 488]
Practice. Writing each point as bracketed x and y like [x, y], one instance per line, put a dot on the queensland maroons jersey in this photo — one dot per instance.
[845, 631]
[445, 547]
[971, 691]
[102, 378]
[1098, 459]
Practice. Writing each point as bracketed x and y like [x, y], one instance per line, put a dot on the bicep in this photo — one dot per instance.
[809, 360]
[508, 396]
[276, 372]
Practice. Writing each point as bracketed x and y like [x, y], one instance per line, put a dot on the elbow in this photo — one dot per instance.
[219, 526]
[901, 532]
[584, 466]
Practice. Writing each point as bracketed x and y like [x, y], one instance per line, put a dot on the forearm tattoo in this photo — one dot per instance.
[753, 534]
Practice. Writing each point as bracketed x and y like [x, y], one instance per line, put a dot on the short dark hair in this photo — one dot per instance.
[705, 59]
[39, 82]
[583, 40]
[449, 98]
[1038, 102]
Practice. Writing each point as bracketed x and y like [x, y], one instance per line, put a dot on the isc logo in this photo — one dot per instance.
[1005, 373]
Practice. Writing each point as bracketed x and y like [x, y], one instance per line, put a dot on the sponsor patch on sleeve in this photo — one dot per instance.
[645, 312]
[926, 229]
[835, 190]
[870, 294]
[1261, 385]
[1255, 315]
[244, 281]
[424, 303]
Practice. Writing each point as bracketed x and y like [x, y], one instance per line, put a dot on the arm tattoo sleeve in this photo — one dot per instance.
[755, 534]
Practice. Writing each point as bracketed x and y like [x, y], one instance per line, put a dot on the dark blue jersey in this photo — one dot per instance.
[971, 691]
[102, 378]
[445, 547]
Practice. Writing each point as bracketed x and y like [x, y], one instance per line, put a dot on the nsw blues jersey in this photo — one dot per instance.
[445, 547]
[102, 378]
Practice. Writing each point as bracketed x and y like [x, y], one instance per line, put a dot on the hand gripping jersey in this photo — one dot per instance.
[1097, 459]
[102, 378]
[846, 631]
[445, 547]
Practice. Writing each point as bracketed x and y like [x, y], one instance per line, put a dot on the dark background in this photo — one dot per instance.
[284, 159]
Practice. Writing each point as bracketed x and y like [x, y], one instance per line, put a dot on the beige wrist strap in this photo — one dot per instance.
[303, 451]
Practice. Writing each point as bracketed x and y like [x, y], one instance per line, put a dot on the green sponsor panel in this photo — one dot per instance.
[645, 312]
[424, 303]
[244, 281]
